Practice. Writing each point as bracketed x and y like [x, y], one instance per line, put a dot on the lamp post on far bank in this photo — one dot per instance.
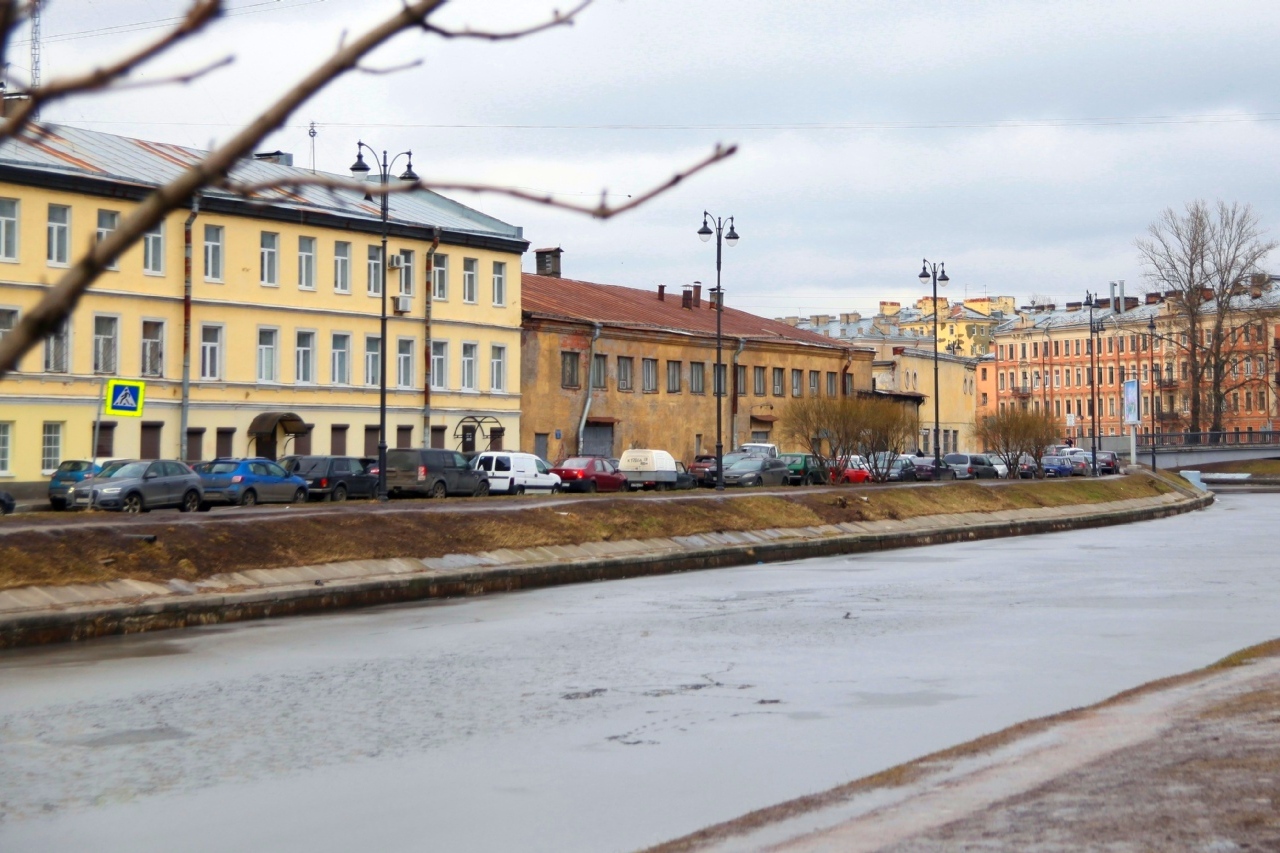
[1091, 300]
[360, 170]
[1151, 349]
[720, 383]
[938, 272]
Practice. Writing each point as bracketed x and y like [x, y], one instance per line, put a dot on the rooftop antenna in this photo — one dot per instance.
[312, 134]
[35, 53]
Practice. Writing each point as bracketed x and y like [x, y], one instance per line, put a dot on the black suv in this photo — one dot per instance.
[434, 473]
[333, 478]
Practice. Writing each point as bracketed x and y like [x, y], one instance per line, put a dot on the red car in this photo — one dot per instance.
[589, 474]
[852, 469]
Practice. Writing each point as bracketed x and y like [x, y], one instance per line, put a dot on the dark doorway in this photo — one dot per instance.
[226, 444]
[437, 437]
[496, 435]
[302, 443]
[468, 439]
[597, 440]
[151, 439]
[371, 440]
[106, 439]
[338, 439]
[404, 437]
[195, 444]
[540, 444]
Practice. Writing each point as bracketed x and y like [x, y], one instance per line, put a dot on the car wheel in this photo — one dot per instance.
[249, 498]
[190, 502]
[132, 503]
[300, 496]
[57, 504]
[482, 489]
[519, 490]
[205, 506]
[339, 494]
[438, 491]
[591, 486]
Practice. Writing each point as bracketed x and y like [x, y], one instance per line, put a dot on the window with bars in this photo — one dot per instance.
[106, 341]
[57, 349]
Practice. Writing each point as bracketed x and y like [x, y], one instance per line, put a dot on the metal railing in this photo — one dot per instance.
[1020, 390]
[1209, 439]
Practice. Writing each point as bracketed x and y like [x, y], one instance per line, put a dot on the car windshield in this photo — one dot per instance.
[307, 465]
[575, 462]
[1053, 460]
[222, 467]
[128, 470]
[792, 458]
[110, 468]
[746, 465]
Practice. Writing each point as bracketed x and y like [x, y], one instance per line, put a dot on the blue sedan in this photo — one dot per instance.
[1056, 466]
[247, 482]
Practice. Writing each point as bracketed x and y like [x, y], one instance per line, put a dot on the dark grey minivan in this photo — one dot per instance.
[434, 473]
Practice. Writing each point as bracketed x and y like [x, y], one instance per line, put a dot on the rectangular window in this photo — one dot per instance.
[797, 382]
[439, 365]
[374, 264]
[106, 341]
[6, 448]
[406, 272]
[268, 355]
[51, 447]
[740, 379]
[673, 377]
[831, 383]
[721, 371]
[269, 259]
[649, 368]
[569, 369]
[341, 267]
[8, 319]
[499, 283]
[108, 221]
[779, 378]
[758, 381]
[305, 358]
[404, 362]
[439, 276]
[470, 354]
[210, 352]
[57, 349]
[626, 373]
[813, 383]
[698, 377]
[470, 272]
[372, 360]
[306, 263]
[497, 368]
[152, 348]
[599, 370]
[59, 248]
[8, 229]
[340, 364]
[153, 250]
[213, 252]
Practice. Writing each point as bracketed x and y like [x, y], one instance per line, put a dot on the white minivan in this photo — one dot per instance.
[514, 473]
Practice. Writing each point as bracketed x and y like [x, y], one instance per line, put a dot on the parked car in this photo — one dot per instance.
[1002, 470]
[7, 503]
[649, 469]
[246, 482]
[903, 470]
[1057, 466]
[1081, 464]
[971, 466]
[684, 480]
[851, 469]
[707, 477]
[589, 474]
[757, 448]
[924, 469]
[513, 473]
[333, 478]
[70, 472]
[140, 485]
[805, 469]
[1028, 468]
[700, 465]
[756, 471]
[1108, 462]
[432, 473]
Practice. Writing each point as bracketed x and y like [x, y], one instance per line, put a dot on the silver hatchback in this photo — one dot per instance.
[141, 486]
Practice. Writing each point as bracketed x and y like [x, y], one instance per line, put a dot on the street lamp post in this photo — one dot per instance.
[731, 238]
[1151, 348]
[1091, 300]
[938, 272]
[360, 170]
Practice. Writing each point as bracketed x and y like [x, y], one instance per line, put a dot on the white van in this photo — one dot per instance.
[759, 449]
[648, 469]
[514, 473]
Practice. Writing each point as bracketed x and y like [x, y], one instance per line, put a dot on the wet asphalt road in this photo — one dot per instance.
[607, 716]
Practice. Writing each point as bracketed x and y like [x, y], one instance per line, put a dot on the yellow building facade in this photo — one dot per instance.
[277, 318]
[906, 370]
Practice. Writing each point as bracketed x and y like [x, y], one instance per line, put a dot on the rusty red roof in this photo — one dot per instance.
[566, 298]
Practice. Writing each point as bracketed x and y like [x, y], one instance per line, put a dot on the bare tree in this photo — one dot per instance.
[1202, 261]
[833, 428]
[1017, 432]
[219, 164]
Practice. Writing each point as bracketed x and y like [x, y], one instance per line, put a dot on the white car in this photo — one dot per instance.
[514, 473]
[1002, 470]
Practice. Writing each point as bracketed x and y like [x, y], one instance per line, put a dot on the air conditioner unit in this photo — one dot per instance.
[395, 262]
[402, 304]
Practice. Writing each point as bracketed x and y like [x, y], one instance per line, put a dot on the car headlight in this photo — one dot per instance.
[113, 490]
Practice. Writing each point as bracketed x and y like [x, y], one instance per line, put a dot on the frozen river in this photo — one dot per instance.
[610, 716]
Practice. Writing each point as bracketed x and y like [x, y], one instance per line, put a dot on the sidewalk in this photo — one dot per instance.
[45, 614]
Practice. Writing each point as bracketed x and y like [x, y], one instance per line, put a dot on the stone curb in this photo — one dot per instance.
[34, 617]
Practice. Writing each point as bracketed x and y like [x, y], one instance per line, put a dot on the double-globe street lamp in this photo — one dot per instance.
[360, 170]
[731, 238]
[1095, 329]
[938, 272]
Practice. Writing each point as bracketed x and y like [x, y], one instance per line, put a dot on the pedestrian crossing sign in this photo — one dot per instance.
[124, 397]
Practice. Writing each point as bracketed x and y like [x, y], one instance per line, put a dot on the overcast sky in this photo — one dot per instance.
[1025, 143]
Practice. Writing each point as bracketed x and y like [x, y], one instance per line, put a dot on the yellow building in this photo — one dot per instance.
[612, 368]
[964, 329]
[907, 370]
[271, 344]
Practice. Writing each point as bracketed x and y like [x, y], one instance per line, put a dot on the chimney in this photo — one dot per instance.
[686, 298]
[1112, 302]
[1074, 306]
[1255, 290]
[1051, 307]
[697, 294]
[1124, 303]
[1131, 302]
[280, 158]
[549, 261]
[662, 293]
[1153, 299]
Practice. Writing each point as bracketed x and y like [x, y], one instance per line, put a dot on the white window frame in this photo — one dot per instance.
[211, 352]
[50, 447]
[372, 360]
[341, 266]
[6, 448]
[497, 367]
[214, 252]
[440, 365]
[374, 267]
[404, 362]
[146, 359]
[406, 272]
[470, 276]
[469, 379]
[304, 357]
[106, 347]
[9, 219]
[105, 231]
[649, 375]
[269, 259]
[340, 359]
[267, 360]
[58, 244]
[499, 284]
[12, 322]
[306, 263]
[50, 342]
[440, 277]
[153, 250]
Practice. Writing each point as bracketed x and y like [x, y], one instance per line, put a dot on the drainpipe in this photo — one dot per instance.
[586, 407]
[426, 333]
[186, 327]
[733, 408]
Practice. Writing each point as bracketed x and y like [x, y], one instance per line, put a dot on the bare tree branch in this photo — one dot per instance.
[557, 20]
[179, 79]
[394, 69]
